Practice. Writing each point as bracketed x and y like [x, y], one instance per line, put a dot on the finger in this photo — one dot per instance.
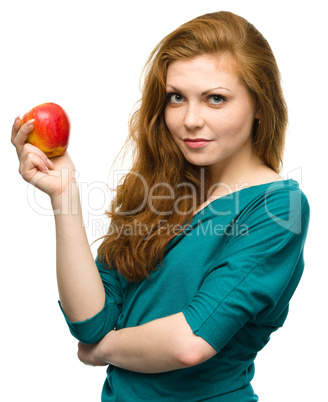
[29, 148]
[31, 166]
[22, 135]
[15, 128]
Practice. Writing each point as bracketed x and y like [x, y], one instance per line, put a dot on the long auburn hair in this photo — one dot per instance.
[162, 189]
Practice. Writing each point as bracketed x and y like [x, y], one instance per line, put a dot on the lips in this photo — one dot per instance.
[196, 140]
[196, 143]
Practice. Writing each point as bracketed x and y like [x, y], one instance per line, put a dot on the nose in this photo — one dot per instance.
[193, 118]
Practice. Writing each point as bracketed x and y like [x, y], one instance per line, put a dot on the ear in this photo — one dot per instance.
[257, 112]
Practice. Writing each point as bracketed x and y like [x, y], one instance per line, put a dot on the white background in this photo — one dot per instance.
[87, 56]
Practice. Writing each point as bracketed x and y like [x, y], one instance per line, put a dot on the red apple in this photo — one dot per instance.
[51, 128]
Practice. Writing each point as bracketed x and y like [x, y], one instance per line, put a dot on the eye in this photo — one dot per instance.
[174, 98]
[216, 99]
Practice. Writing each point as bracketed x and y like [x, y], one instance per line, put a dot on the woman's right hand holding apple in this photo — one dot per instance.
[54, 177]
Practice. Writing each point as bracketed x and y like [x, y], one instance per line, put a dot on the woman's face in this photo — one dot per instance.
[208, 111]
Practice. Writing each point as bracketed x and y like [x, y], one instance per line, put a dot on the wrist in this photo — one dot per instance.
[105, 346]
[67, 201]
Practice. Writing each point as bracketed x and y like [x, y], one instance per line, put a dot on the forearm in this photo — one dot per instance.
[149, 348]
[80, 287]
[161, 345]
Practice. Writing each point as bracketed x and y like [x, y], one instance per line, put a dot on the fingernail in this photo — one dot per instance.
[16, 118]
[49, 163]
[30, 121]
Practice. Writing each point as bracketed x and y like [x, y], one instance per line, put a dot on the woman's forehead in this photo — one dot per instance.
[205, 68]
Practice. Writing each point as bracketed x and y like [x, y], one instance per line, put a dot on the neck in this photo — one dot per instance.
[235, 172]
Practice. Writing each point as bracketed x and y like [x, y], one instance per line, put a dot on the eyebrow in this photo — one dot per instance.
[203, 93]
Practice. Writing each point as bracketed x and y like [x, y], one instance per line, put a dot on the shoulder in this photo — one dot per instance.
[285, 196]
[280, 207]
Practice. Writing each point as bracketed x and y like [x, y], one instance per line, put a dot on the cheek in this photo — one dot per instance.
[237, 124]
[172, 120]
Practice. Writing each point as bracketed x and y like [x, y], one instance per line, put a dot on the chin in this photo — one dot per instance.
[199, 163]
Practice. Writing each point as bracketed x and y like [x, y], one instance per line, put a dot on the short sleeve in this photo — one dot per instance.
[257, 270]
[95, 328]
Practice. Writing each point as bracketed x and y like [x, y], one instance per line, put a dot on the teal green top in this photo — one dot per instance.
[232, 273]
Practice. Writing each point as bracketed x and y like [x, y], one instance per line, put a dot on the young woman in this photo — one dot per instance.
[206, 239]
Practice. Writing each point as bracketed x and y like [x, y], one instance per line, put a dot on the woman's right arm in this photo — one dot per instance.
[81, 290]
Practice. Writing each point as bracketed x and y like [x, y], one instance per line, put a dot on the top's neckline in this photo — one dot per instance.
[246, 189]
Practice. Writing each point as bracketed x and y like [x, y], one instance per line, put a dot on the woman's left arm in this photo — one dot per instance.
[161, 345]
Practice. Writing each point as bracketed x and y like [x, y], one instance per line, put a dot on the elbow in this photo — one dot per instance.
[188, 348]
[189, 358]
[195, 352]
